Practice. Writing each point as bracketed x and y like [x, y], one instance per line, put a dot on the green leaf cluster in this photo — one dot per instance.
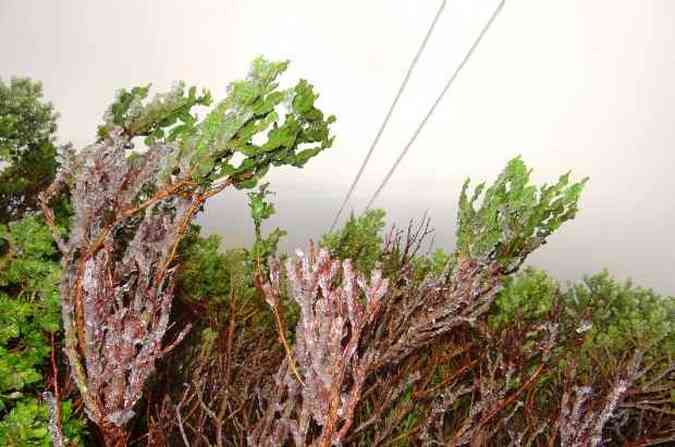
[248, 114]
[261, 209]
[262, 124]
[360, 240]
[28, 156]
[164, 118]
[514, 217]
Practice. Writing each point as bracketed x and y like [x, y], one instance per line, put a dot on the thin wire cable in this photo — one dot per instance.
[389, 113]
[435, 104]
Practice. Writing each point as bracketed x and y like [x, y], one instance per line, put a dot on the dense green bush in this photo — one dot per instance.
[614, 317]
[360, 239]
[205, 270]
[29, 317]
[623, 316]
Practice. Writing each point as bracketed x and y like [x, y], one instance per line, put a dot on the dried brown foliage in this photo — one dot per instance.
[209, 394]
[476, 384]
[350, 337]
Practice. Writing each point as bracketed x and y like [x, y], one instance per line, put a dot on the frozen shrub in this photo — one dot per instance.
[337, 310]
[349, 342]
[131, 211]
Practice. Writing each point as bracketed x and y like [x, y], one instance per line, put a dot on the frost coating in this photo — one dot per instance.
[131, 210]
[54, 423]
[337, 310]
[117, 288]
[583, 418]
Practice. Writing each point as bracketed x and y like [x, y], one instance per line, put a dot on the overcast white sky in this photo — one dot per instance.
[585, 85]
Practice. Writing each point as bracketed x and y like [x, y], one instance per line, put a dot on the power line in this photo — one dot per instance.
[391, 110]
[435, 104]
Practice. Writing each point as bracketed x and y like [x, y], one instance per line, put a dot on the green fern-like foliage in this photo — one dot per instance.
[29, 312]
[514, 217]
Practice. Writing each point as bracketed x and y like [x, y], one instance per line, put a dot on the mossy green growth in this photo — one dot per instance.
[204, 271]
[514, 217]
[29, 304]
[609, 318]
[436, 264]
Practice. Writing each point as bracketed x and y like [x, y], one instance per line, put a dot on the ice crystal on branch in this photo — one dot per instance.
[493, 240]
[583, 416]
[337, 309]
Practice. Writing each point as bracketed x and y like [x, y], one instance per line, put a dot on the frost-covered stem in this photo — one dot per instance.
[54, 418]
[118, 277]
[433, 308]
[179, 416]
[333, 321]
[581, 420]
[273, 301]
